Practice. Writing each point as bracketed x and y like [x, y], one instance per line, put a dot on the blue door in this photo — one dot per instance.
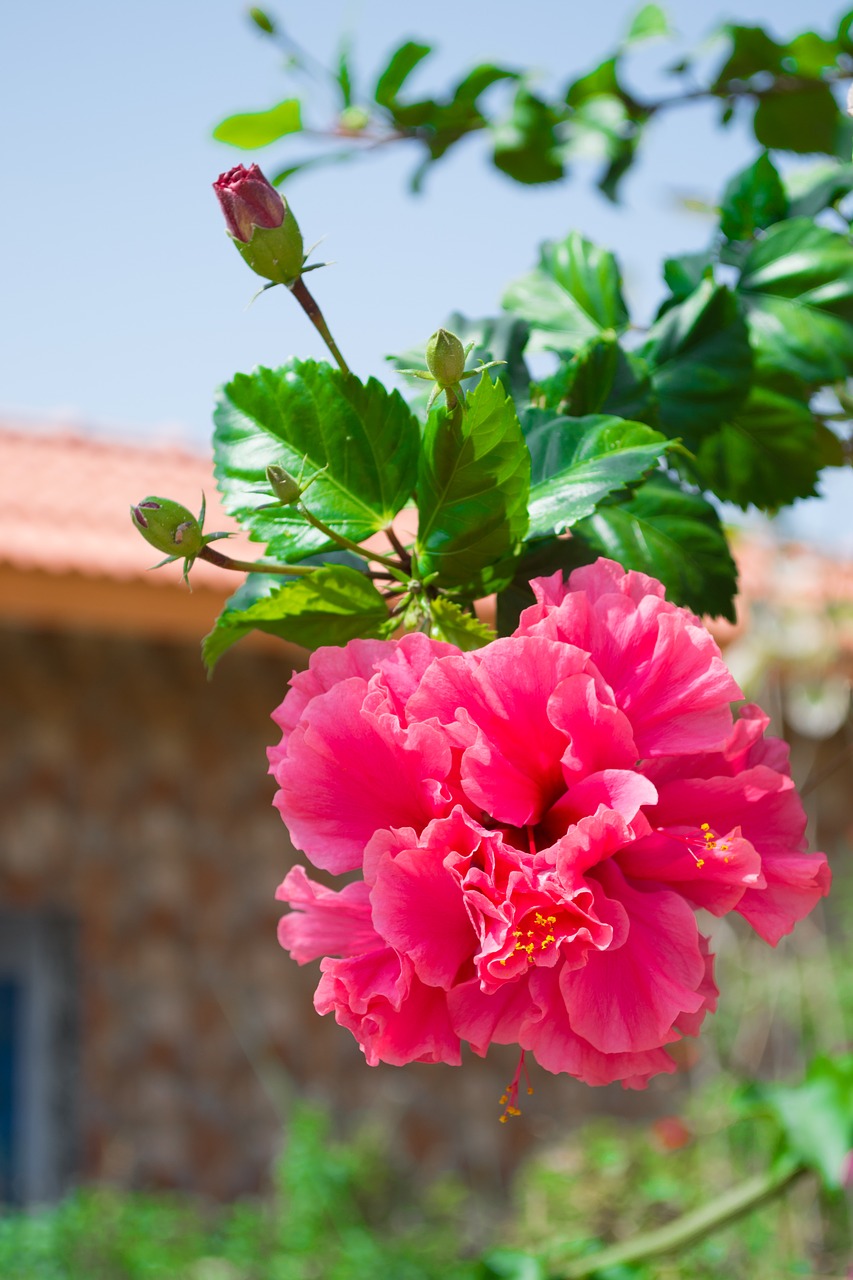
[10, 1009]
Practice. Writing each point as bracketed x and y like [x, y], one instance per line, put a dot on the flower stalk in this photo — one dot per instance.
[306, 300]
[690, 1227]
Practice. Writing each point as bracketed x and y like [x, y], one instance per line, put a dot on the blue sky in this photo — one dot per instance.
[125, 304]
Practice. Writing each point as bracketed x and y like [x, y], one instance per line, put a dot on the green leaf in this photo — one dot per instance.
[603, 81]
[400, 66]
[753, 200]
[700, 361]
[510, 1264]
[577, 462]
[473, 484]
[255, 129]
[601, 378]
[803, 122]
[650, 21]
[332, 606]
[673, 535]
[686, 272]
[526, 146]
[797, 286]
[752, 51]
[817, 1116]
[767, 454]
[818, 187]
[574, 295]
[309, 415]
[449, 621]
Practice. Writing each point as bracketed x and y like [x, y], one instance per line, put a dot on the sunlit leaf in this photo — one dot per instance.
[255, 129]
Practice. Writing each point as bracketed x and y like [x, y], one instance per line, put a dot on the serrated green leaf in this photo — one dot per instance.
[700, 362]
[253, 129]
[307, 414]
[473, 484]
[804, 122]
[449, 621]
[767, 454]
[573, 296]
[332, 606]
[400, 66]
[817, 1116]
[753, 200]
[577, 462]
[675, 536]
[797, 287]
[650, 21]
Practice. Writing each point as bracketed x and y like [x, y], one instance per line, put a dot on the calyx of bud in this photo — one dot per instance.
[445, 357]
[172, 528]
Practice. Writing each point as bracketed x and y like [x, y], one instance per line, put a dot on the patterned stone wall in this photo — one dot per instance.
[135, 806]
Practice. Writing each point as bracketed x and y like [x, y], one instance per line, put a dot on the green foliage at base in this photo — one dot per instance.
[339, 1213]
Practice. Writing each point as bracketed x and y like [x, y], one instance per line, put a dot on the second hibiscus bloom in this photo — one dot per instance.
[535, 823]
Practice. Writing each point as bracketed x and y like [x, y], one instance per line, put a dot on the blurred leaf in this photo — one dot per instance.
[574, 295]
[583, 383]
[344, 73]
[686, 272]
[259, 128]
[752, 50]
[816, 1116]
[313, 162]
[307, 414]
[650, 21]
[577, 462]
[809, 55]
[510, 1264]
[700, 361]
[526, 146]
[449, 621]
[804, 122]
[673, 535]
[332, 606]
[766, 454]
[818, 187]
[400, 66]
[797, 286]
[602, 81]
[473, 484]
[497, 338]
[753, 200]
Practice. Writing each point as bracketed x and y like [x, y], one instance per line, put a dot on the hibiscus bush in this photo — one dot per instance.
[516, 756]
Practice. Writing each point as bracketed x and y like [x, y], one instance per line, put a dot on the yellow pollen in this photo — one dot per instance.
[700, 862]
[706, 826]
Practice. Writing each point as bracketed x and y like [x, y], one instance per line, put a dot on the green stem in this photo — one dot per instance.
[689, 1228]
[309, 306]
[254, 566]
[347, 543]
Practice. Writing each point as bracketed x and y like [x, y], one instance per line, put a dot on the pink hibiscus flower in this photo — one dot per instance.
[534, 824]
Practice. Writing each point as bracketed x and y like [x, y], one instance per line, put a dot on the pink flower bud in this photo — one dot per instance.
[248, 201]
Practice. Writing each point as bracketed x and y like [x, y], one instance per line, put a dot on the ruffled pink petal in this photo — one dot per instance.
[400, 670]
[599, 735]
[393, 1016]
[713, 875]
[325, 921]
[795, 884]
[689, 1024]
[627, 1000]
[558, 1048]
[511, 769]
[418, 907]
[328, 666]
[664, 668]
[348, 773]
[761, 801]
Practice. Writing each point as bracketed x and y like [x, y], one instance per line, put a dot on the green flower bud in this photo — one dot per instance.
[169, 527]
[445, 357]
[286, 489]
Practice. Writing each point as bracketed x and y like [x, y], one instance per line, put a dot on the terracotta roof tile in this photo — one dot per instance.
[64, 499]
